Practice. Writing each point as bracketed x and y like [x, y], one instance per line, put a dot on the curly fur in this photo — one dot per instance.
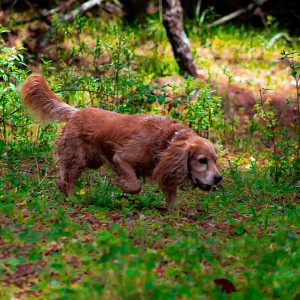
[172, 169]
[132, 146]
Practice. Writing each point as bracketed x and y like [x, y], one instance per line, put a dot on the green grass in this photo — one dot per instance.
[101, 244]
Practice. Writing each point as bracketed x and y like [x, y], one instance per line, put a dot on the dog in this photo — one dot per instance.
[133, 146]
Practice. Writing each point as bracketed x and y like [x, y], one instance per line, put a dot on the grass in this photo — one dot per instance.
[239, 242]
[101, 243]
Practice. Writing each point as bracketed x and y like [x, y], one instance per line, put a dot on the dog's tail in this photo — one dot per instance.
[42, 103]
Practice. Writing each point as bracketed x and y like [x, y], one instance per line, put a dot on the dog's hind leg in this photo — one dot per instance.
[71, 159]
[67, 177]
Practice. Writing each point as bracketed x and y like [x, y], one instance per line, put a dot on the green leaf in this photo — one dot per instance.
[151, 99]
[266, 222]
[177, 102]
[15, 261]
[294, 74]
[161, 99]
[240, 229]
[103, 236]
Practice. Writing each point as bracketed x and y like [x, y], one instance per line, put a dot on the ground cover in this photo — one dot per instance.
[240, 241]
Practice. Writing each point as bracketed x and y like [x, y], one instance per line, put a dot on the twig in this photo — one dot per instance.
[198, 8]
[160, 10]
[277, 37]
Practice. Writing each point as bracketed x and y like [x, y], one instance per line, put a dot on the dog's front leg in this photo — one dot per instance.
[171, 197]
[126, 176]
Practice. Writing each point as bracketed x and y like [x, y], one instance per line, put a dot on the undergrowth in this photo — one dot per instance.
[242, 239]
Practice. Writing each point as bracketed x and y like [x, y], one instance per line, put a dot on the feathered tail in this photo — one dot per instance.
[42, 103]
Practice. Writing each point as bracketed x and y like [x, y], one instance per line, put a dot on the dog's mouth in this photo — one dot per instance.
[202, 186]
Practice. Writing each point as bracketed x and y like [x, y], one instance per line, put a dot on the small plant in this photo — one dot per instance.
[270, 115]
[201, 113]
[285, 159]
[281, 158]
[11, 74]
[294, 68]
[193, 105]
[227, 106]
[294, 72]
[104, 75]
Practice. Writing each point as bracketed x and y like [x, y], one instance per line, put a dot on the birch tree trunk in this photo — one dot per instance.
[173, 22]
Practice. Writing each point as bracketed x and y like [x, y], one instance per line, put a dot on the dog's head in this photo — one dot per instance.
[193, 158]
[202, 168]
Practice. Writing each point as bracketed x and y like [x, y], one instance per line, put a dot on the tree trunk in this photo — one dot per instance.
[173, 22]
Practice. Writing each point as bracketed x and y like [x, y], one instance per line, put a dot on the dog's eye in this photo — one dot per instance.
[203, 160]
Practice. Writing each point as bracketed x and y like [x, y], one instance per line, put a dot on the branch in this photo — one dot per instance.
[81, 9]
[233, 15]
[237, 13]
[67, 17]
[46, 13]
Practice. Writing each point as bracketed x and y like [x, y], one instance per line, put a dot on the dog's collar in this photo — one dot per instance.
[176, 134]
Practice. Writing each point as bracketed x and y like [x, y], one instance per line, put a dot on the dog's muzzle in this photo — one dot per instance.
[202, 186]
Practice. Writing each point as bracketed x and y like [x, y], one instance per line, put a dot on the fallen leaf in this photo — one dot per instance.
[226, 285]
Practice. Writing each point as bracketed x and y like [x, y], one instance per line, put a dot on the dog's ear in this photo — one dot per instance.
[172, 168]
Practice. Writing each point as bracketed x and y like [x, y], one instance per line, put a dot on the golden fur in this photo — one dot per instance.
[132, 146]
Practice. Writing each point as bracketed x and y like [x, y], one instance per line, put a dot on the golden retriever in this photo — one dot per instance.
[132, 146]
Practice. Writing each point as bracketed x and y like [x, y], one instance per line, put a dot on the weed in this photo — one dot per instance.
[270, 115]
[294, 72]
[11, 75]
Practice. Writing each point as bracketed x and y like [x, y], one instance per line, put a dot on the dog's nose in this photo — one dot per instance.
[217, 178]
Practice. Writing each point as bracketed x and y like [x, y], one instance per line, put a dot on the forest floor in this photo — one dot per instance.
[242, 239]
